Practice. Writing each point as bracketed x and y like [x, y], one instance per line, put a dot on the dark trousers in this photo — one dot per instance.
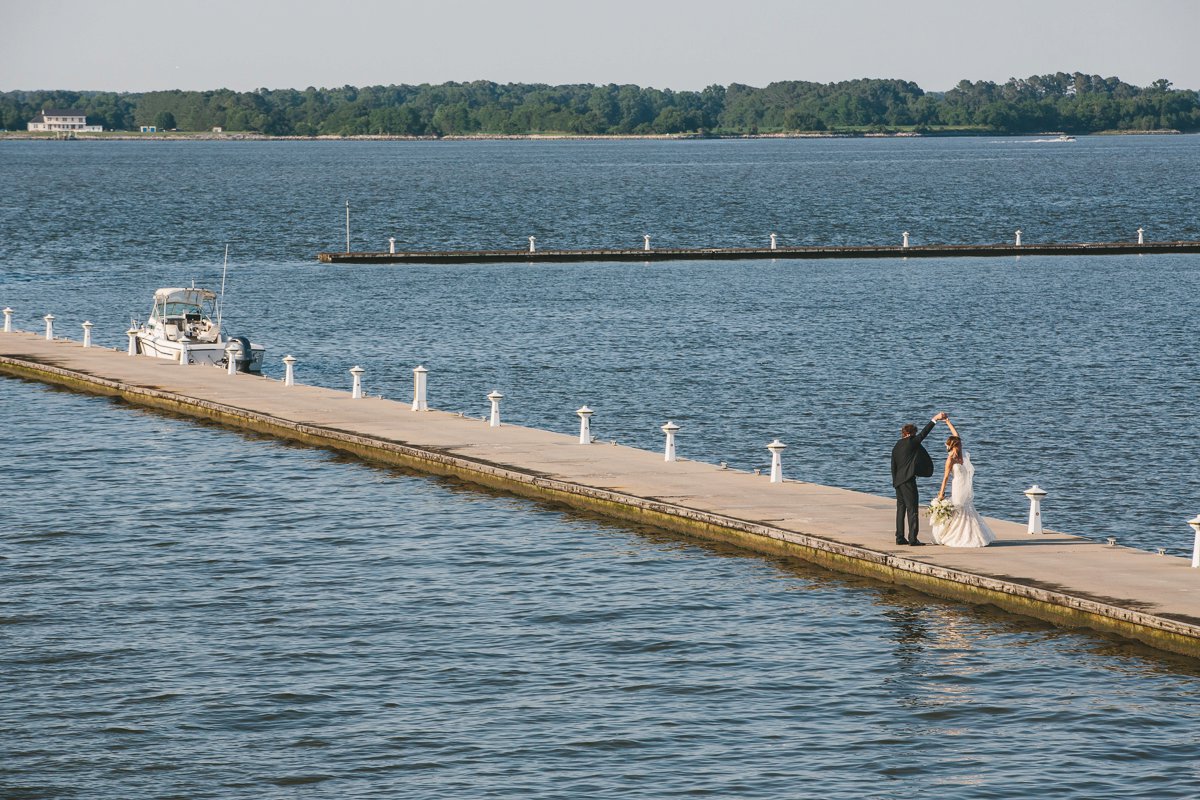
[906, 507]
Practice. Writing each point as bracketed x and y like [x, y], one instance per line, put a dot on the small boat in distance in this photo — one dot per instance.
[1064, 138]
[181, 325]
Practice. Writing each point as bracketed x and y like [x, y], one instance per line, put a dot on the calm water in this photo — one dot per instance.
[188, 612]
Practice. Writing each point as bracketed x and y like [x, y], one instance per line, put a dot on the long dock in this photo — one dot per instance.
[752, 253]
[1065, 579]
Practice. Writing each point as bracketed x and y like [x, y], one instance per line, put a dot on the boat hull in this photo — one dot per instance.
[212, 354]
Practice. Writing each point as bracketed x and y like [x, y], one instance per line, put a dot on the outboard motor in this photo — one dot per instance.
[247, 356]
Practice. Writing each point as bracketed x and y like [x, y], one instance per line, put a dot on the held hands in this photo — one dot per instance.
[941, 416]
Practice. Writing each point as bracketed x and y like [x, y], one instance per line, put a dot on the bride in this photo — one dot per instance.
[965, 528]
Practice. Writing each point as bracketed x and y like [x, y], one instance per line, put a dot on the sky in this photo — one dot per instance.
[144, 45]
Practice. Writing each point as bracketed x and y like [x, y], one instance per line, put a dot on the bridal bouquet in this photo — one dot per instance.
[941, 511]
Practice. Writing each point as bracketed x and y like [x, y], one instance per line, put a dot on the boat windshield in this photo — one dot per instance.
[184, 303]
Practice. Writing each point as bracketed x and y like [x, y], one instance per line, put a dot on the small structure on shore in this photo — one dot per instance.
[58, 121]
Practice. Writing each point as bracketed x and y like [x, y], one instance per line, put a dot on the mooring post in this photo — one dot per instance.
[670, 429]
[132, 334]
[183, 354]
[87, 334]
[289, 375]
[1035, 494]
[532, 239]
[1018, 237]
[356, 389]
[776, 447]
[646, 240]
[585, 430]
[231, 357]
[495, 397]
[8, 312]
[420, 375]
[1141, 233]
[1195, 523]
[49, 327]
[774, 241]
[905, 235]
[392, 244]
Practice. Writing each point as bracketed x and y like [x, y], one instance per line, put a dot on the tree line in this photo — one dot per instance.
[1075, 103]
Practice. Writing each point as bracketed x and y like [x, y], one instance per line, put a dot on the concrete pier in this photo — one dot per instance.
[1058, 577]
[750, 253]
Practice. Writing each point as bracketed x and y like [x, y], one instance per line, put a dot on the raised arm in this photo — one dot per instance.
[945, 477]
[950, 425]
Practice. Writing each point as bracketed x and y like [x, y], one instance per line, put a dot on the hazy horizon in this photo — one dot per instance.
[670, 44]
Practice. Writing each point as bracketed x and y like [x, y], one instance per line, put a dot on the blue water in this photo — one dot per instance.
[189, 612]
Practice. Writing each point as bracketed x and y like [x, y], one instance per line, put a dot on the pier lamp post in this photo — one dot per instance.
[1141, 236]
[585, 430]
[776, 447]
[420, 376]
[1018, 237]
[392, 245]
[87, 334]
[49, 327]
[8, 312]
[646, 241]
[905, 235]
[774, 241]
[495, 397]
[670, 429]
[289, 375]
[356, 372]
[183, 354]
[1195, 523]
[132, 334]
[1035, 494]
[532, 239]
[232, 351]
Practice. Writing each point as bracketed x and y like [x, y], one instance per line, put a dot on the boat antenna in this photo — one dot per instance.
[221, 300]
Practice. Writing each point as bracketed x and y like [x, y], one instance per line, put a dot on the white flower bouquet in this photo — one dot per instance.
[941, 511]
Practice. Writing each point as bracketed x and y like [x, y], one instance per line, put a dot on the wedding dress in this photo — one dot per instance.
[966, 528]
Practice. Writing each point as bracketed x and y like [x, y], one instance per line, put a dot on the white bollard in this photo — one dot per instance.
[391, 244]
[183, 354]
[419, 380]
[87, 334]
[132, 334]
[585, 429]
[1195, 523]
[495, 397]
[1035, 494]
[646, 241]
[232, 350]
[356, 389]
[1141, 238]
[532, 239]
[1018, 237]
[49, 327]
[776, 447]
[8, 312]
[905, 235]
[289, 375]
[774, 241]
[670, 429]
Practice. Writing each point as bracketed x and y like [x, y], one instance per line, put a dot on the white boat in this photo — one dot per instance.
[181, 324]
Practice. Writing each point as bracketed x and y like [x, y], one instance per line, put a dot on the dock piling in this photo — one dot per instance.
[8, 312]
[1035, 494]
[494, 419]
[87, 334]
[231, 357]
[646, 241]
[49, 327]
[183, 354]
[1195, 523]
[776, 447]
[532, 239]
[289, 376]
[132, 334]
[585, 431]
[1018, 237]
[392, 245]
[420, 376]
[1140, 233]
[670, 429]
[905, 235]
[774, 241]
[356, 390]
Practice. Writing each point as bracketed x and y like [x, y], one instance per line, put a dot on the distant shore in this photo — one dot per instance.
[183, 136]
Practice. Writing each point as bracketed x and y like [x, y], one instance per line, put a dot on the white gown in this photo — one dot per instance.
[966, 528]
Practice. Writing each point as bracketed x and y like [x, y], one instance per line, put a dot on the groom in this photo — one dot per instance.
[909, 461]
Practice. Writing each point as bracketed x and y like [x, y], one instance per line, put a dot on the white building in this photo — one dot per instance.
[52, 119]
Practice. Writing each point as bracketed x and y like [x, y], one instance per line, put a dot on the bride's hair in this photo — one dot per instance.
[954, 443]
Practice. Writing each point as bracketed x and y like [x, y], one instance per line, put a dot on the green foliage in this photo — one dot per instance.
[1073, 102]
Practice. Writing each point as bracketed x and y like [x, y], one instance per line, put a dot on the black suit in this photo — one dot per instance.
[904, 478]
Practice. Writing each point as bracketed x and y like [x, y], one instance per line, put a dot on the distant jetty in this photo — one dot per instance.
[758, 253]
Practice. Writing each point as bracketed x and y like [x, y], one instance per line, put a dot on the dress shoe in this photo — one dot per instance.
[916, 544]
[901, 541]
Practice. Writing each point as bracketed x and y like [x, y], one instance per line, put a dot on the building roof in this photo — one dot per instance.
[57, 112]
